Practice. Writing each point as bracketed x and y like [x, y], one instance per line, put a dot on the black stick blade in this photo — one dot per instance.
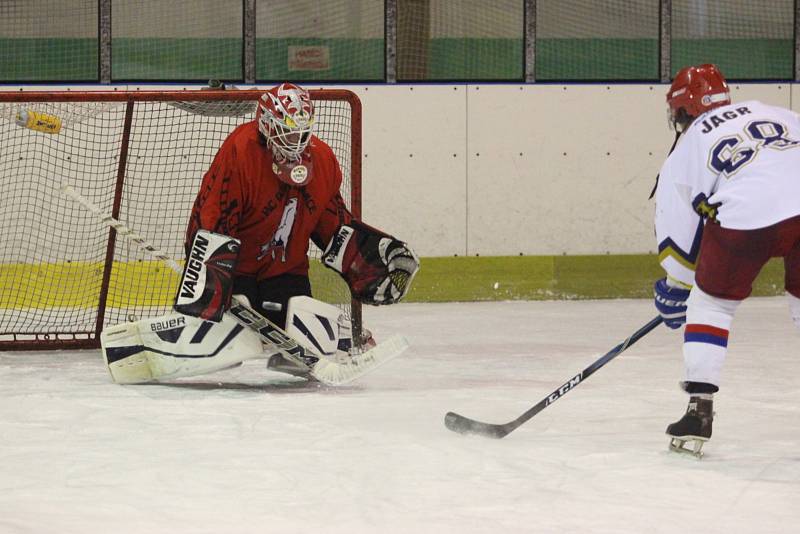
[465, 425]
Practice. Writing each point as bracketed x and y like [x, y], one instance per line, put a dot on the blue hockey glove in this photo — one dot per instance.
[671, 303]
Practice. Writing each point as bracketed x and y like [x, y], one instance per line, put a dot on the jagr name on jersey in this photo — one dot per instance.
[715, 120]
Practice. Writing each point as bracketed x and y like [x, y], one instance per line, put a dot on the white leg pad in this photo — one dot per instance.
[175, 346]
[319, 327]
[704, 360]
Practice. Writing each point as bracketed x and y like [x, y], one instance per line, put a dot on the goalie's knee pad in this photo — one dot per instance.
[319, 327]
[207, 282]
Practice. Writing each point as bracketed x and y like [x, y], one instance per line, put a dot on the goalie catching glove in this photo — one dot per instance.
[377, 267]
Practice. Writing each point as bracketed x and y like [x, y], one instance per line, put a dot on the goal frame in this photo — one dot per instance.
[59, 340]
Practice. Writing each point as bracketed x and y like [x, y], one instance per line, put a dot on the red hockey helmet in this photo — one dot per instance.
[694, 91]
[285, 117]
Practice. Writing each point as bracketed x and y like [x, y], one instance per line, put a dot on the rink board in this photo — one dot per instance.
[443, 279]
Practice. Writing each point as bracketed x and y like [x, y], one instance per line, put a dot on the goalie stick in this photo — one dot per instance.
[327, 371]
[465, 425]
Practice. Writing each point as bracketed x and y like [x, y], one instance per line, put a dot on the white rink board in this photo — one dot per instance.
[594, 200]
[772, 94]
[415, 164]
[481, 169]
[572, 173]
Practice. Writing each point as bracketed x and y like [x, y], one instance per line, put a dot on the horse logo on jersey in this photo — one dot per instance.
[280, 240]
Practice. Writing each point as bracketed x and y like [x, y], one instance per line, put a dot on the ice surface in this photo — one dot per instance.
[246, 451]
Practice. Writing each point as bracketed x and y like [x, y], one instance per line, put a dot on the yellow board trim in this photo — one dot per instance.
[443, 279]
[141, 283]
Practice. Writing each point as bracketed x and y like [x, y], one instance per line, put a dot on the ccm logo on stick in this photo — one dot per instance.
[574, 381]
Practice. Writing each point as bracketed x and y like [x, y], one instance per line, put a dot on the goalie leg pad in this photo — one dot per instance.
[319, 327]
[207, 282]
[175, 346]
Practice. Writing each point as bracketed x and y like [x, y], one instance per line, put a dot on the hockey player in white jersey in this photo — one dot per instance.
[727, 200]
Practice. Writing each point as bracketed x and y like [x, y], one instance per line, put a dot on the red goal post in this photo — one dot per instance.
[139, 156]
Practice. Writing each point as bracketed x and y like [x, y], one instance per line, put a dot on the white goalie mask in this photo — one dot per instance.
[285, 117]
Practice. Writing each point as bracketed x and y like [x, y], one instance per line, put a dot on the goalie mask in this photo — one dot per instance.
[694, 91]
[285, 117]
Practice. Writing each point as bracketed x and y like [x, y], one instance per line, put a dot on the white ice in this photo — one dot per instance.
[248, 451]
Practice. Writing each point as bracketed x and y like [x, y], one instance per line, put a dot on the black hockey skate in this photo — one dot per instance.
[689, 434]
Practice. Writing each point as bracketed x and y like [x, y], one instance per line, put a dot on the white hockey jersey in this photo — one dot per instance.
[745, 157]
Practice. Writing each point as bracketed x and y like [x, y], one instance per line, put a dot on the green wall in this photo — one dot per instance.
[363, 59]
[29, 60]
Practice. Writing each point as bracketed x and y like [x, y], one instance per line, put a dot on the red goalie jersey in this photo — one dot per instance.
[242, 196]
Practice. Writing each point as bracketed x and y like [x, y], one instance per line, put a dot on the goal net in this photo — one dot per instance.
[139, 156]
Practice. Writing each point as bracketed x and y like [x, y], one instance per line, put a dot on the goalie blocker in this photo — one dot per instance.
[207, 282]
[378, 268]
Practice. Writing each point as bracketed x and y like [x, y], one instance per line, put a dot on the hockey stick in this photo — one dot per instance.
[323, 369]
[465, 425]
